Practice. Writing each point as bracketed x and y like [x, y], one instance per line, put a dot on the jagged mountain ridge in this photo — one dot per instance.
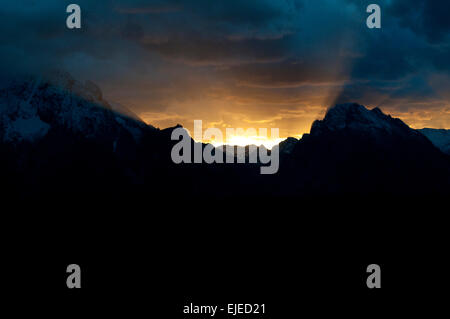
[78, 142]
[355, 117]
[353, 147]
[29, 109]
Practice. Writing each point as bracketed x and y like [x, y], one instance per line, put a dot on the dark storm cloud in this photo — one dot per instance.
[185, 58]
[400, 60]
[430, 18]
[217, 32]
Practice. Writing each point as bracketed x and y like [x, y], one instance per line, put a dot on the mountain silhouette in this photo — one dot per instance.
[58, 135]
[354, 149]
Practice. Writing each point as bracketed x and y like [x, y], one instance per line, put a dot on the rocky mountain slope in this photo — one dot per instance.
[30, 108]
[57, 134]
[439, 137]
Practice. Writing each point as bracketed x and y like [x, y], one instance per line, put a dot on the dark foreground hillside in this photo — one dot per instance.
[84, 183]
[60, 136]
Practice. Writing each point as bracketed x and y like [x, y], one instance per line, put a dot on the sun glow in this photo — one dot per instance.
[249, 140]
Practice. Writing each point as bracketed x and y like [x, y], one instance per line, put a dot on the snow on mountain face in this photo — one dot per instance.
[26, 129]
[439, 137]
[30, 108]
[357, 118]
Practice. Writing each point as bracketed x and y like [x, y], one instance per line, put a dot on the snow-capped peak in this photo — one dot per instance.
[356, 117]
[351, 114]
[31, 107]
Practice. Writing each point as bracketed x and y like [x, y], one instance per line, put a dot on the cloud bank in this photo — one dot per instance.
[234, 63]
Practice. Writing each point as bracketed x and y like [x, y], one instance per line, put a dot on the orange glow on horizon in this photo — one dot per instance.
[238, 140]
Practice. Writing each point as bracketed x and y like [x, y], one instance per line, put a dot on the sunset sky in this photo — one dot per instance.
[237, 63]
